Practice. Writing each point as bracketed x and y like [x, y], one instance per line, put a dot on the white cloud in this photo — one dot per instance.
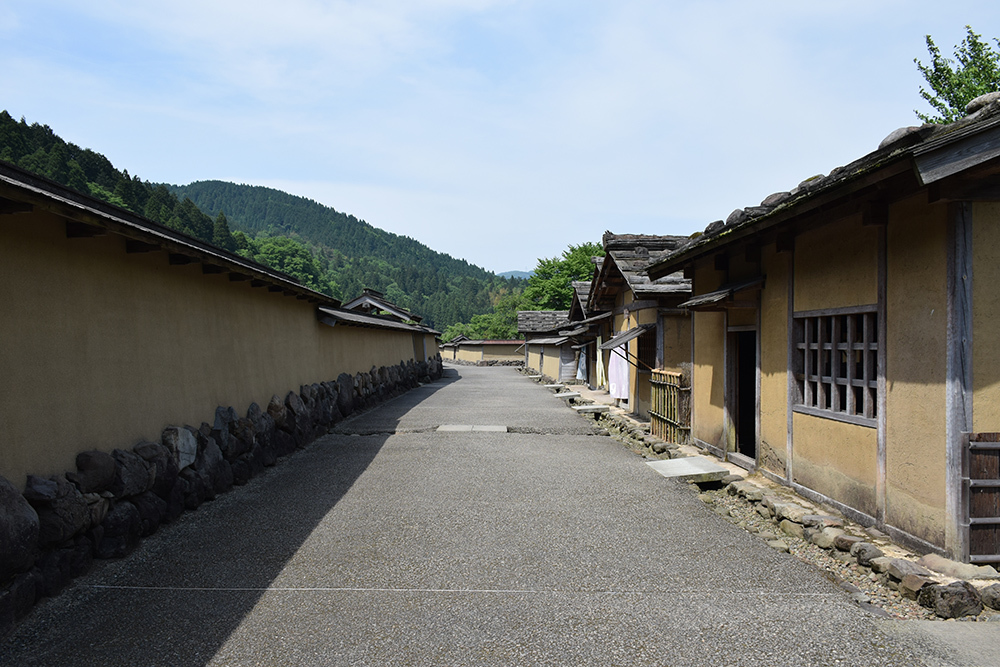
[549, 120]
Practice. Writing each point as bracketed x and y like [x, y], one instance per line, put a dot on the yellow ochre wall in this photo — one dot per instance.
[773, 445]
[916, 368]
[503, 352]
[102, 349]
[550, 365]
[639, 391]
[836, 266]
[676, 342]
[469, 353]
[709, 365]
[986, 318]
[535, 357]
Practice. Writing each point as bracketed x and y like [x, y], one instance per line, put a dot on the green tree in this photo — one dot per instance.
[291, 257]
[550, 287]
[221, 236]
[974, 71]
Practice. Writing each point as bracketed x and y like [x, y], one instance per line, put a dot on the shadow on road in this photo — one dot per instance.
[178, 598]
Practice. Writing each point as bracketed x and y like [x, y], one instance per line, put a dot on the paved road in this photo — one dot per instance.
[389, 543]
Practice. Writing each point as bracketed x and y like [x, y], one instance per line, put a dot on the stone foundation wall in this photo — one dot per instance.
[52, 531]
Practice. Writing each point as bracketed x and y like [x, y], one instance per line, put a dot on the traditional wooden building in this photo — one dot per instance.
[545, 350]
[844, 336]
[647, 329]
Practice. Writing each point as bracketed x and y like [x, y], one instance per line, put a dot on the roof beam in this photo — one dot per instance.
[79, 230]
[176, 259]
[133, 246]
[8, 206]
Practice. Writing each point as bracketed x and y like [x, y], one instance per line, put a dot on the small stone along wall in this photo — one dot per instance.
[53, 531]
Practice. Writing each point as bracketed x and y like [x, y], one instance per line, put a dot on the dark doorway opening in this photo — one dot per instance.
[746, 393]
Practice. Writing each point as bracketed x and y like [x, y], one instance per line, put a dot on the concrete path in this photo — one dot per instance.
[405, 545]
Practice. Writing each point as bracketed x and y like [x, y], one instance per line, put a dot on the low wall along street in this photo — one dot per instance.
[117, 334]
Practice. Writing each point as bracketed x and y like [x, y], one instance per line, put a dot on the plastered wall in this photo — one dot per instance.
[535, 357]
[836, 266]
[709, 364]
[502, 352]
[916, 358]
[986, 318]
[473, 353]
[836, 459]
[102, 349]
[772, 449]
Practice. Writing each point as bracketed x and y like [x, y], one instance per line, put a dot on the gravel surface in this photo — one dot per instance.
[842, 570]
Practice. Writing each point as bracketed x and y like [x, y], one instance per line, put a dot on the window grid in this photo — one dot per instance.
[837, 363]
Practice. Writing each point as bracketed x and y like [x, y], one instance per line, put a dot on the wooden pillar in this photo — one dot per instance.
[958, 401]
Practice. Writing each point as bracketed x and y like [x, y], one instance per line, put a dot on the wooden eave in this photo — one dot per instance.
[86, 217]
[889, 181]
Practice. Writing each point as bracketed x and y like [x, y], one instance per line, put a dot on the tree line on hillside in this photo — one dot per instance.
[356, 255]
[549, 288]
[328, 251]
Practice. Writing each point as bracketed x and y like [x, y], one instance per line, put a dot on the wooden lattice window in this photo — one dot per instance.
[836, 364]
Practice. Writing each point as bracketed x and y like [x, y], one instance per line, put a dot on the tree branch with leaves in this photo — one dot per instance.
[953, 83]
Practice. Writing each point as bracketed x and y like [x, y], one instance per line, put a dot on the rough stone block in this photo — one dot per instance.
[790, 511]
[899, 568]
[955, 600]
[826, 537]
[846, 542]
[880, 565]
[865, 552]
[991, 596]
[95, 471]
[822, 521]
[791, 528]
[182, 444]
[958, 570]
[911, 585]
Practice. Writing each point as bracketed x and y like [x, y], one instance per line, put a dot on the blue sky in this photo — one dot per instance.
[499, 131]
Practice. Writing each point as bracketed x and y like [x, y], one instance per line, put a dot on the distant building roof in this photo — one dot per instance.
[371, 301]
[581, 296]
[628, 257]
[537, 321]
[339, 316]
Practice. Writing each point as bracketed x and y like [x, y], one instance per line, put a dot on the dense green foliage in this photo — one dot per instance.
[549, 288]
[976, 72]
[352, 254]
[36, 148]
[328, 251]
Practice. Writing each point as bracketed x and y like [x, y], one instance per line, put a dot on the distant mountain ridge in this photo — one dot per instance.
[436, 285]
[326, 250]
[523, 275]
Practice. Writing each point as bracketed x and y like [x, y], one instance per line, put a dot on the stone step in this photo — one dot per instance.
[589, 409]
[555, 387]
[690, 469]
[533, 377]
[568, 395]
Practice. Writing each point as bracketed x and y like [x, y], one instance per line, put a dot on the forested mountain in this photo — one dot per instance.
[328, 251]
[356, 254]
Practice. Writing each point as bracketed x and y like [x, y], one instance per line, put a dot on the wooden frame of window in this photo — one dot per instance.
[835, 358]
